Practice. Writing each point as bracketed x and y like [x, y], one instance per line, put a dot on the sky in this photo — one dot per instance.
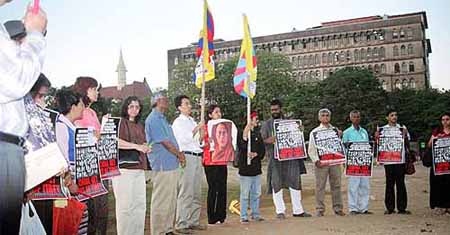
[85, 36]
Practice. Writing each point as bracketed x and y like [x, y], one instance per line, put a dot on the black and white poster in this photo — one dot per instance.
[108, 148]
[329, 147]
[441, 156]
[289, 140]
[359, 159]
[391, 145]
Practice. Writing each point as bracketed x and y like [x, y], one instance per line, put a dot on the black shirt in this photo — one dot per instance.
[257, 145]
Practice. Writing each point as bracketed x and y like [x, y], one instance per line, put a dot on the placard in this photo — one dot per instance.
[329, 147]
[441, 156]
[391, 145]
[108, 148]
[289, 140]
[359, 159]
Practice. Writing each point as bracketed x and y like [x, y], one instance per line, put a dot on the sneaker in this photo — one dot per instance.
[198, 227]
[258, 219]
[183, 231]
[281, 216]
[388, 212]
[339, 213]
[319, 213]
[367, 213]
[244, 221]
[354, 213]
[404, 212]
[304, 214]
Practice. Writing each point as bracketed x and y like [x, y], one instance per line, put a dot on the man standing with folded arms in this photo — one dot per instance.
[188, 135]
[20, 66]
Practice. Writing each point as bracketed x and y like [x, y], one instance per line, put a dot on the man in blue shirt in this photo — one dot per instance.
[164, 160]
[358, 187]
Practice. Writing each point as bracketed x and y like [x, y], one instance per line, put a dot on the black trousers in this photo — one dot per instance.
[395, 176]
[44, 209]
[216, 176]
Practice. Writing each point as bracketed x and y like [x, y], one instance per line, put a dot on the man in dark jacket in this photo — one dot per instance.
[250, 168]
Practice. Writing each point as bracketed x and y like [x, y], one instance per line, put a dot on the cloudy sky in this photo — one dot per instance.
[85, 36]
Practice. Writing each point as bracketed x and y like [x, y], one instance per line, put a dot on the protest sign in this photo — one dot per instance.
[391, 145]
[289, 140]
[441, 156]
[359, 159]
[50, 189]
[87, 169]
[108, 149]
[329, 146]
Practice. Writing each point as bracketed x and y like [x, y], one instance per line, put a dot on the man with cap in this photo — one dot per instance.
[164, 160]
[20, 66]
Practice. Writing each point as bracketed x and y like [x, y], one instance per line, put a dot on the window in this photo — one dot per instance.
[363, 54]
[375, 53]
[175, 61]
[300, 75]
[402, 33]
[412, 83]
[324, 58]
[397, 84]
[396, 68]
[299, 61]
[370, 68]
[356, 54]
[325, 74]
[349, 56]
[411, 67]
[409, 33]
[383, 68]
[294, 61]
[310, 60]
[342, 57]
[410, 49]
[382, 53]
[316, 59]
[336, 57]
[404, 67]
[403, 50]
[369, 53]
[384, 84]
[394, 34]
[395, 50]
[377, 69]
[318, 75]
[405, 83]
[330, 58]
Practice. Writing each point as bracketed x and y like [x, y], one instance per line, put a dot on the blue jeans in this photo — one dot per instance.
[12, 183]
[358, 194]
[250, 191]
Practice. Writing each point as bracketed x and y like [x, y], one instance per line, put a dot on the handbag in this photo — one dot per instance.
[30, 224]
[410, 169]
[66, 220]
[129, 157]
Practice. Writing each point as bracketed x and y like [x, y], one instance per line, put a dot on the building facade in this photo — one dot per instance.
[395, 48]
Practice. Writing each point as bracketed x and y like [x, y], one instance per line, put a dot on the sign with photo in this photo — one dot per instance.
[289, 140]
[223, 140]
[359, 159]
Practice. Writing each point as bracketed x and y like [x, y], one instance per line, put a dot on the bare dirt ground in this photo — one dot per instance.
[421, 221]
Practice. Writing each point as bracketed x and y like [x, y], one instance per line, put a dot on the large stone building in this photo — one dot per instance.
[124, 90]
[394, 47]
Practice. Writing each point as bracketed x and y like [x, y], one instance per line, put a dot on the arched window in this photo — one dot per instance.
[403, 50]
[330, 58]
[175, 61]
[294, 61]
[410, 49]
[404, 83]
[342, 57]
[409, 33]
[311, 60]
[375, 53]
[349, 56]
[316, 59]
[397, 84]
[324, 58]
[396, 68]
[384, 84]
[318, 77]
[411, 67]
[370, 68]
[294, 74]
[402, 33]
[325, 74]
[301, 78]
[377, 69]
[404, 67]
[300, 61]
[395, 50]
[356, 54]
[382, 53]
[336, 57]
[307, 76]
[363, 54]
[312, 75]
[394, 34]
[412, 83]
[369, 53]
[383, 68]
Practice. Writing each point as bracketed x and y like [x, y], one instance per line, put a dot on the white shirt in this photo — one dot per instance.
[312, 149]
[20, 66]
[183, 127]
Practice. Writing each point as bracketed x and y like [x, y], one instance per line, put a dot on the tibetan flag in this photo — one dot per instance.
[205, 49]
[245, 73]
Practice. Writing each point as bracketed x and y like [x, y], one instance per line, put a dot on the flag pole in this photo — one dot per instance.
[249, 119]
[202, 99]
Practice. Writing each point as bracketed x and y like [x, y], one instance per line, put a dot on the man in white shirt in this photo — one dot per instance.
[188, 135]
[323, 171]
[20, 66]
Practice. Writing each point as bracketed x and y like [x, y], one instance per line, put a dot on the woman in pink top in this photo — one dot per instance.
[98, 206]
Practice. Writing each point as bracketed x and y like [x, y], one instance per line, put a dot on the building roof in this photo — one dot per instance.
[139, 89]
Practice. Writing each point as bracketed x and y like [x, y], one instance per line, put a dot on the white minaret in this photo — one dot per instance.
[121, 73]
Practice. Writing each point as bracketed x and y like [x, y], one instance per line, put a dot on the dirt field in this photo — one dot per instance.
[422, 221]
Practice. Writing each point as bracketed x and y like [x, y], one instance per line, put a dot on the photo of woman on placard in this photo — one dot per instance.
[223, 147]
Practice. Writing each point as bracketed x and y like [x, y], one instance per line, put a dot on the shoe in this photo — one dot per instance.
[170, 233]
[304, 214]
[319, 213]
[198, 227]
[367, 213]
[404, 212]
[258, 219]
[388, 212]
[340, 213]
[354, 213]
[281, 216]
[218, 223]
[244, 221]
[183, 231]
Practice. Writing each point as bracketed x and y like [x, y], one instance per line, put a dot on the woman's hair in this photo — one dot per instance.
[42, 81]
[211, 110]
[81, 86]
[65, 99]
[444, 114]
[126, 102]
